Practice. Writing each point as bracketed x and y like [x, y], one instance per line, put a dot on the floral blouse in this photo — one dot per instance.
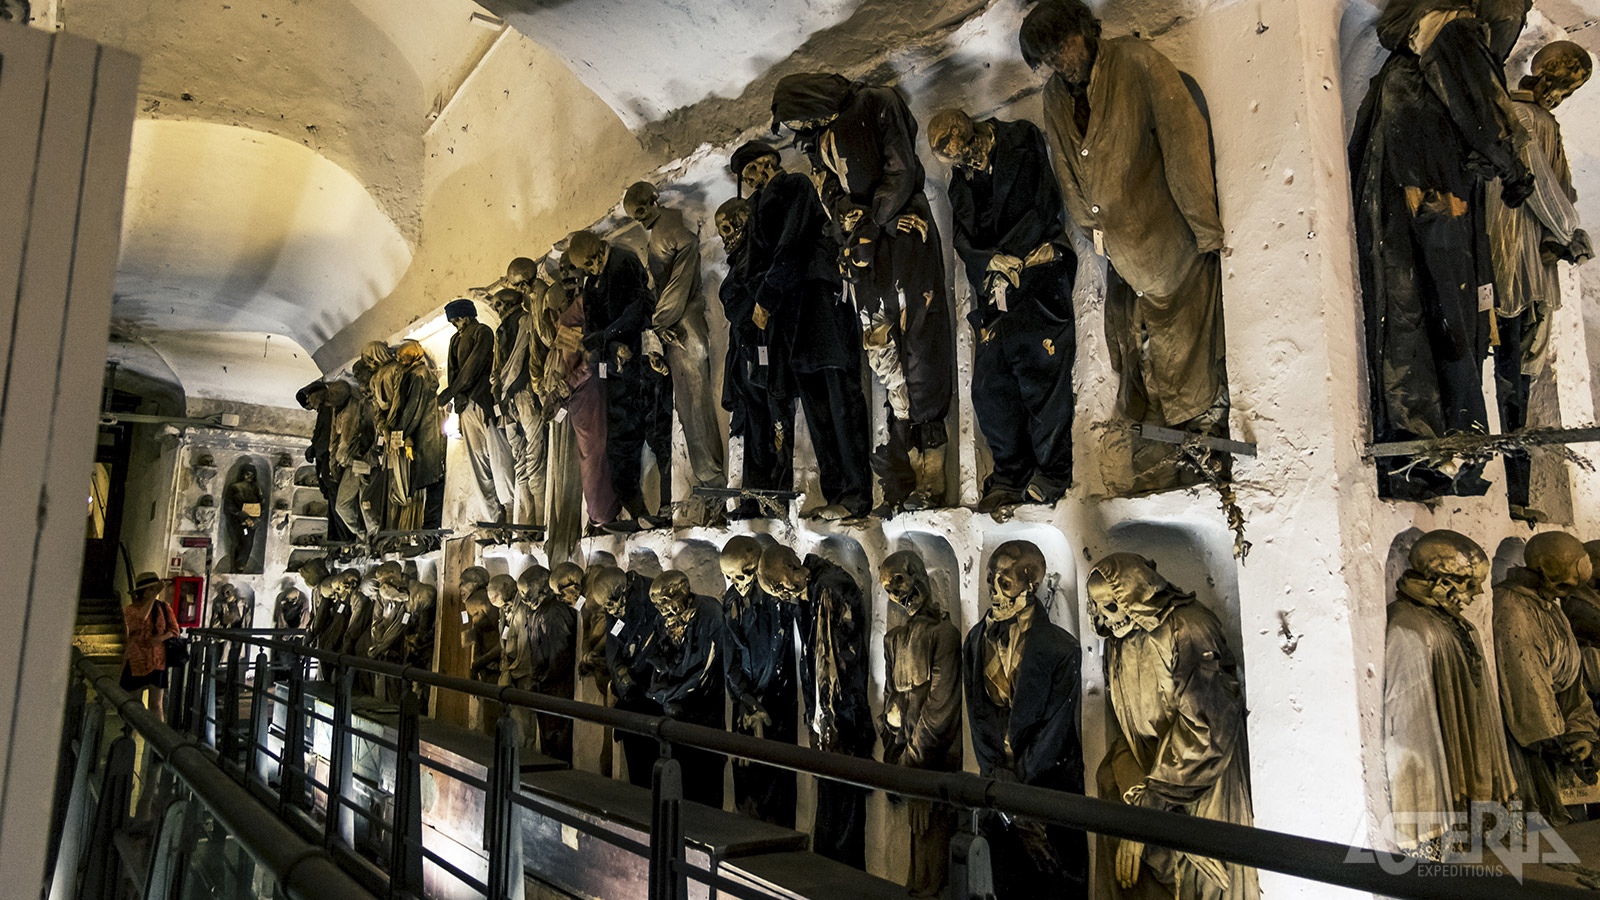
[145, 652]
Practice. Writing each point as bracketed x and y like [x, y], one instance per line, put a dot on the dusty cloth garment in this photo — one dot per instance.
[759, 666]
[317, 453]
[416, 417]
[812, 336]
[1025, 333]
[289, 610]
[679, 322]
[1435, 124]
[1441, 744]
[868, 158]
[471, 364]
[516, 665]
[586, 416]
[490, 458]
[421, 606]
[1542, 697]
[630, 674]
[1026, 730]
[834, 623]
[922, 729]
[329, 623]
[1139, 175]
[242, 527]
[758, 415]
[520, 416]
[550, 660]
[1181, 744]
[617, 307]
[686, 682]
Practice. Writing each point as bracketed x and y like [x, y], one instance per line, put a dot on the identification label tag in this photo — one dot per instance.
[617, 628]
[405, 619]
[465, 618]
[761, 356]
[1099, 242]
[602, 371]
[1485, 297]
[561, 415]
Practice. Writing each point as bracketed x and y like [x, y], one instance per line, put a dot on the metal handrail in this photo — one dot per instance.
[304, 871]
[1295, 855]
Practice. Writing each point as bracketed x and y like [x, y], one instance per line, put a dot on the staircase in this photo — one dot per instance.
[99, 632]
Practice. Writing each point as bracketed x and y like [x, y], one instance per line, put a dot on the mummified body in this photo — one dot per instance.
[760, 669]
[1173, 687]
[1441, 747]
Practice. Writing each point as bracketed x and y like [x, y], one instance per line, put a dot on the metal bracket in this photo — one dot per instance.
[717, 493]
[1469, 443]
[1174, 436]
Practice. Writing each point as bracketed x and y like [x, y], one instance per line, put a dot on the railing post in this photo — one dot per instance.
[230, 702]
[405, 848]
[971, 877]
[75, 826]
[256, 759]
[102, 872]
[340, 822]
[290, 792]
[502, 832]
[667, 878]
[202, 702]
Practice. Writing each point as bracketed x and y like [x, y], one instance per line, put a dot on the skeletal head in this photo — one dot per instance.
[781, 574]
[345, 584]
[390, 573]
[958, 141]
[1560, 559]
[521, 272]
[674, 600]
[587, 251]
[642, 203]
[566, 579]
[1452, 565]
[534, 583]
[1123, 590]
[1063, 35]
[1559, 68]
[391, 594]
[410, 353]
[501, 589]
[905, 579]
[472, 578]
[741, 556]
[1015, 569]
[607, 586]
[733, 221]
[376, 354]
[505, 300]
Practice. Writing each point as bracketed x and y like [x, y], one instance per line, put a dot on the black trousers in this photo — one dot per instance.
[762, 791]
[630, 411]
[840, 829]
[836, 415]
[1512, 390]
[658, 429]
[1021, 874]
[640, 750]
[555, 737]
[768, 456]
[1022, 393]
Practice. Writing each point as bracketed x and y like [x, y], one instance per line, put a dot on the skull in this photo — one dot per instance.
[607, 586]
[781, 574]
[391, 594]
[587, 251]
[345, 584]
[505, 300]
[502, 588]
[642, 203]
[521, 272]
[1122, 590]
[376, 354]
[566, 579]
[733, 221]
[958, 141]
[390, 573]
[1452, 566]
[741, 555]
[674, 600]
[1015, 569]
[1560, 559]
[473, 578]
[534, 583]
[1559, 68]
[905, 579]
[759, 171]
[410, 353]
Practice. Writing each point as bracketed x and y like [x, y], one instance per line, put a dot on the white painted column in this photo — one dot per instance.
[68, 108]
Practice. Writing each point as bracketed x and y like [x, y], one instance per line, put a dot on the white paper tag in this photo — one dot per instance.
[341, 607]
[561, 414]
[761, 356]
[569, 836]
[1485, 297]
[602, 371]
[1000, 294]
[617, 628]
[1099, 242]
[505, 633]
[497, 410]
[578, 607]
[405, 619]
[465, 618]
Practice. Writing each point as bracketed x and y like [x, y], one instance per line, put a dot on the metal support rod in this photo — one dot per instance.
[667, 880]
[1468, 443]
[1294, 855]
[290, 791]
[502, 836]
[339, 823]
[302, 871]
[716, 493]
[1174, 436]
[256, 759]
[230, 702]
[405, 841]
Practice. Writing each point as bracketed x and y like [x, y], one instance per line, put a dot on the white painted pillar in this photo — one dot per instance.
[68, 108]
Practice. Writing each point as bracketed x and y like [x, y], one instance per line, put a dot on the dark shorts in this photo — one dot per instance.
[132, 682]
